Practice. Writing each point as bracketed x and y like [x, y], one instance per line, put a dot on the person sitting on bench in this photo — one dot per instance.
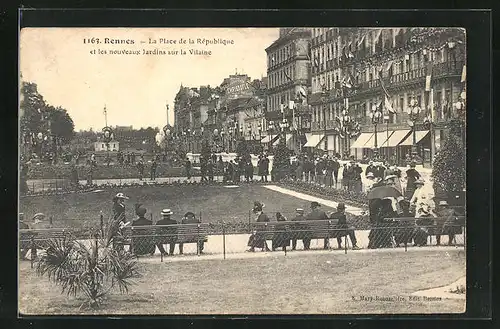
[169, 234]
[142, 246]
[190, 218]
[316, 214]
[342, 223]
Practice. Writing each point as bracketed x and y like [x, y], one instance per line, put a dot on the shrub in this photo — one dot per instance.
[93, 270]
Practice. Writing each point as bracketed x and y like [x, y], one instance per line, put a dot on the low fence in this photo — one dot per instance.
[223, 239]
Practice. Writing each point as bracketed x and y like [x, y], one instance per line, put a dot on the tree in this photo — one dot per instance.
[31, 108]
[93, 269]
[242, 150]
[205, 150]
[281, 163]
[448, 171]
[61, 124]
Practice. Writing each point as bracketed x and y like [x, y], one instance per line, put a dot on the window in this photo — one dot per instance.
[102, 145]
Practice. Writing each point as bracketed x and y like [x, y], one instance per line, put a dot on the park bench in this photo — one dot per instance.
[313, 229]
[39, 238]
[166, 234]
[405, 226]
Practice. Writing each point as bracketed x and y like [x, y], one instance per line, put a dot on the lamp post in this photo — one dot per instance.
[223, 141]
[284, 126]
[460, 106]
[376, 117]
[414, 112]
[324, 98]
[270, 132]
[346, 120]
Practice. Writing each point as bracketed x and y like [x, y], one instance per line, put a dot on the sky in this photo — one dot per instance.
[134, 88]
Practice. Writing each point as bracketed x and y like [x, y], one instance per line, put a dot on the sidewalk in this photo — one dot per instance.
[349, 209]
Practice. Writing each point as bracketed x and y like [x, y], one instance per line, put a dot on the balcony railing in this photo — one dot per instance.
[320, 125]
[438, 70]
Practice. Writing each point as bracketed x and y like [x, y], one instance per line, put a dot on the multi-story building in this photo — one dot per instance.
[355, 68]
[289, 79]
[221, 115]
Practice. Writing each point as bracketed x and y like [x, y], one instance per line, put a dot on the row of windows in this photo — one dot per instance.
[280, 55]
[410, 62]
[401, 102]
[373, 41]
[274, 101]
[282, 76]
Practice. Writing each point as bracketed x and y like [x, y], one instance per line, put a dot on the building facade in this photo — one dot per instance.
[114, 146]
[289, 80]
[359, 71]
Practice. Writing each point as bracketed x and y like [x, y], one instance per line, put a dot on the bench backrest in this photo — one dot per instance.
[181, 233]
[41, 237]
[298, 229]
[436, 221]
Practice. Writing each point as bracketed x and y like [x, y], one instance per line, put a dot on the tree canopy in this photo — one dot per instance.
[37, 116]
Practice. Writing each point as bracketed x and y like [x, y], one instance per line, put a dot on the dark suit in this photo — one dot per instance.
[142, 245]
[297, 227]
[169, 234]
[258, 239]
[342, 223]
[316, 214]
[190, 220]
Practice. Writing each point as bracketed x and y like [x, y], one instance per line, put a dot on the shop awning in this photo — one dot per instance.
[409, 140]
[361, 141]
[381, 138]
[395, 138]
[313, 140]
[266, 139]
[288, 137]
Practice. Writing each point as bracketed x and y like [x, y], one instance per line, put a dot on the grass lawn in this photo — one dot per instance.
[215, 203]
[312, 284]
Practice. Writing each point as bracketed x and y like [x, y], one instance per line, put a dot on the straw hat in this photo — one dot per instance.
[121, 196]
[299, 210]
[443, 203]
[166, 212]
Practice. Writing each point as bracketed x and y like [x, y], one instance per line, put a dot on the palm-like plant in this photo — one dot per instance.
[93, 267]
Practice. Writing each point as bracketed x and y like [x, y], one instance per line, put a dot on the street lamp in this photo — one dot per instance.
[270, 132]
[284, 126]
[222, 133]
[376, 117]
[414, 112]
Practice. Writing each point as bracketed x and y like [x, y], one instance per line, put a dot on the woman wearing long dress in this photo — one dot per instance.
[258, 238]
[280, 238]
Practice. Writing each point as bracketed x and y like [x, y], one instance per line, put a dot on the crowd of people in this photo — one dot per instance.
[283, 239]
[143, 245]
[235, 171]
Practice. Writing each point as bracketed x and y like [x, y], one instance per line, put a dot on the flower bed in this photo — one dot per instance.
[89, 188]
[45, 171]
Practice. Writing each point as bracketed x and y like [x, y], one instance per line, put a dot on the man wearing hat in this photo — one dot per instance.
[297, 227]
[142, 245]
[412, 175]
[258, 240]
[316, 214]
[342, 223]
[370, 169]
[450, 226]
[118, 219]
[169, 233]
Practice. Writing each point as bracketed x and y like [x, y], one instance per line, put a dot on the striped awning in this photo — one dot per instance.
[288, 137]
[313, 140]
[266, 139]
[409, 140]
[361, 141]
[395, 138]
[381, 138]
